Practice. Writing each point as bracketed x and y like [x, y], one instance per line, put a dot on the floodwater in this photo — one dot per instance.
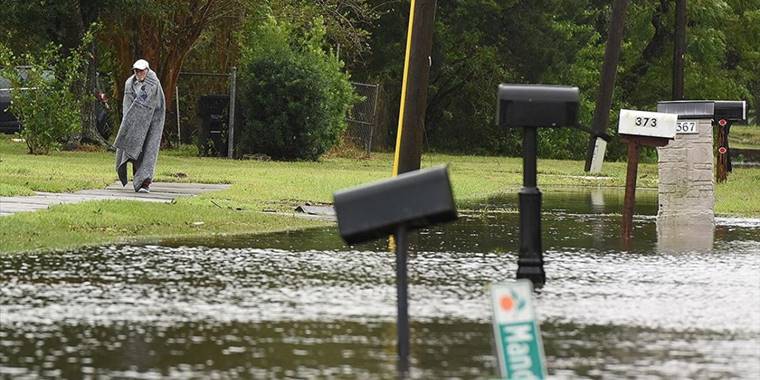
[303, 305]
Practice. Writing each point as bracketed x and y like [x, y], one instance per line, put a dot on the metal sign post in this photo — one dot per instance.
[402, 300]
[530, 264]
[231, 127]
[179, 131]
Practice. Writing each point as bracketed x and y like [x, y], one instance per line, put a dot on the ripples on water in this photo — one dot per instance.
[304, 305]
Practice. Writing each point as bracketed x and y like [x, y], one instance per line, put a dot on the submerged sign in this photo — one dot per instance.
[518, 338]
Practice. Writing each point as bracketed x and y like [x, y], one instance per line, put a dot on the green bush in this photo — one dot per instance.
[42, 97]
[293, 96]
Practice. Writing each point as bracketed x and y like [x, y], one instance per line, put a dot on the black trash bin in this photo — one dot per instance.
[212, 138]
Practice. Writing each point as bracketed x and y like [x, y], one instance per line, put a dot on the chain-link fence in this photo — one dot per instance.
[362, 118]
[197, 125]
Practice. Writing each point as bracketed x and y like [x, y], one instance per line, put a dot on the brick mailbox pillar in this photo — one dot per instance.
[686, 193]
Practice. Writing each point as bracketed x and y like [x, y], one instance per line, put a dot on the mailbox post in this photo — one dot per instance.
[530, 107]
[637, 128]
[726, 113]
[409, 201]
[686, 185]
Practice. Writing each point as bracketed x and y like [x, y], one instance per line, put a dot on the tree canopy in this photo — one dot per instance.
[477, 45]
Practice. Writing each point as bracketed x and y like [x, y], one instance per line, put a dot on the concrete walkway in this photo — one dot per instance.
[163, 192]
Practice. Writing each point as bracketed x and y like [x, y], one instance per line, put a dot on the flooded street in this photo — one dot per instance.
[303, 305]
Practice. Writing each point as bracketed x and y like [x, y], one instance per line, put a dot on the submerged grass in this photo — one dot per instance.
[265, 186]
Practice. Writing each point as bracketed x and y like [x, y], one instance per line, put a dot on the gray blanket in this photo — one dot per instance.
[142, 125]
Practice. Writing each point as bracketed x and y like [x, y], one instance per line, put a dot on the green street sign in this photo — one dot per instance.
[518, 337]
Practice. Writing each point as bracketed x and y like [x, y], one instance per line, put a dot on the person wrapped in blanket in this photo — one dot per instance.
[142, 125]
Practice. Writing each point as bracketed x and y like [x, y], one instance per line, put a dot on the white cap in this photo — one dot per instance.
[140, 64]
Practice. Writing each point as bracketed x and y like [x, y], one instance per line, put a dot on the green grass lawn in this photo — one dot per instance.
[264, 185]
[745, 137]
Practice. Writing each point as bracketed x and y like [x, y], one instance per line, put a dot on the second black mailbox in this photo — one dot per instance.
[531, 107]
[731, 110]
[522, 105]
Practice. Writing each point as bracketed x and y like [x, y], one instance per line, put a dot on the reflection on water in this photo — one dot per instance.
[693, 237]
[302, 305]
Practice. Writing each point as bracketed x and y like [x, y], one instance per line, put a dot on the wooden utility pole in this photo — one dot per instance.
[411, 124]
[679, 50]
[607, 81]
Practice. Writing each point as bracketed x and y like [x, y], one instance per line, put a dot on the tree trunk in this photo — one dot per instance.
[651, 53]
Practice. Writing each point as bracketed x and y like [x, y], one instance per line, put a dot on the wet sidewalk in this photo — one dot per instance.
[163, 192]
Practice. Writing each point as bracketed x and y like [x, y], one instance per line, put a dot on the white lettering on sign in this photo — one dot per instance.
[520, 333]
[519, 338]
[643, 123]
[519, 357]
[686, 127]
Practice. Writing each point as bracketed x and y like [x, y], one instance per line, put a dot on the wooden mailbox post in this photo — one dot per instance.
[726, 113]
[637, 128]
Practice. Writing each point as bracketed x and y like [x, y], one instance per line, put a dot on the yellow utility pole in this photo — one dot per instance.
[411, 121]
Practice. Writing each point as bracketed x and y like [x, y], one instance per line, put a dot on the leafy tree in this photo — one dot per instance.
[33, 26]
[346, 23]
[42, 96]
[477, 44]
[293, 95]
[743, 47]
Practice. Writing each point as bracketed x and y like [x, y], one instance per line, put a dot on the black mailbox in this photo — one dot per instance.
[522, 105]
[411, 200]
[731, 110]
[531, 107]
[414, 199]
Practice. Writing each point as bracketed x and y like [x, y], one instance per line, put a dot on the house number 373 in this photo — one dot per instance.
[650, 122]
